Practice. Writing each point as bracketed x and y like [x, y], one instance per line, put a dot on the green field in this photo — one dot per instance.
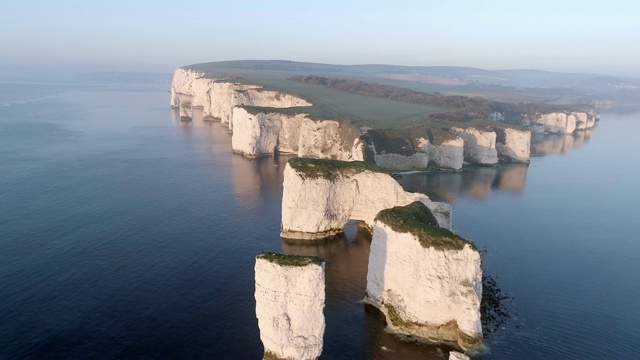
[332, 104]
[379, 112]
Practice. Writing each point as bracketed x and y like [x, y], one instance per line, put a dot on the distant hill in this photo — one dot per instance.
[125, 77]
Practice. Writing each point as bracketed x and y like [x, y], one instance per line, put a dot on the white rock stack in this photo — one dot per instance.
[290, 298]
[425, 279]
[513, 143]
[479, 145]
[321, 196]
[563, 122]
[446, 150]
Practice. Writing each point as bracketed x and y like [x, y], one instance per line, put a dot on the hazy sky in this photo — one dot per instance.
[81, 36]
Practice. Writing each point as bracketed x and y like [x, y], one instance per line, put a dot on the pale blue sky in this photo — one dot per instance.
[80, 36]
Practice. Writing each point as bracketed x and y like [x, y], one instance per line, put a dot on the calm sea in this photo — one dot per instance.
[126, 234]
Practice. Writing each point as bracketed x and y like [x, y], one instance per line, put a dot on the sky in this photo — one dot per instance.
[72, 37]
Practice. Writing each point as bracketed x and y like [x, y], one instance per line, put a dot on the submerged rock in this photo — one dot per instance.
[321, 196]
[425, 279]
[290, 298]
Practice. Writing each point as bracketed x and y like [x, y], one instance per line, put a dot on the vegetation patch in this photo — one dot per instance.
[417, 219]
[396, 141]
[462, 108]
[330, 169]
[397, 320]
[291, 111]
[289, 260]
[440, 136]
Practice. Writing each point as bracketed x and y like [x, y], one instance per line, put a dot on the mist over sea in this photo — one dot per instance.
[128, 234]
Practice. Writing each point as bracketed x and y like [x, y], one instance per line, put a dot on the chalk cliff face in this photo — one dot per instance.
[429, 286]
[329, 139]
[557, 123]
[218, 97]
[261, 133]
[321, 196]
[513, 144]
[479, 145]
[391, 161]
[446, 150]
[394, 151]
[290, 300]
[563, 123]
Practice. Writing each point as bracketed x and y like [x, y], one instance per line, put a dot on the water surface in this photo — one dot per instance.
[127, 234]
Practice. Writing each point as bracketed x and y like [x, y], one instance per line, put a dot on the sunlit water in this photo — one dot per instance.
[126, 234]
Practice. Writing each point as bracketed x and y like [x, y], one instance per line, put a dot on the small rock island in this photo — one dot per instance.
[321, 196]
[424, 278]
[290, 301]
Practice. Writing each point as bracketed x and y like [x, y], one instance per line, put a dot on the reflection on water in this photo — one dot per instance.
[250, 178]
[474, 182]
[347, 258]
[479, 182]
[554, 144]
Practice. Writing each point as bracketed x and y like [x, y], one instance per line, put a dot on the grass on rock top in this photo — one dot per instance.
[417, 219]
[330, 169]
[289, 260]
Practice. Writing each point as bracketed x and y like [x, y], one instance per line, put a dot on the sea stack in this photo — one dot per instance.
[321, 196]
[425, 279]
[513, 143]
[479, 145]
[446, 150]
[290, 300]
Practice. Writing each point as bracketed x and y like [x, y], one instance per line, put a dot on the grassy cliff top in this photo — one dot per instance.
[417, 219]
[440, 136]
[289, 260]
[398, 141]
[330, 169]
[385, 96]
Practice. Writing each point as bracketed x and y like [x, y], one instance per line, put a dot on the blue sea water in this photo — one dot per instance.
[127, 234]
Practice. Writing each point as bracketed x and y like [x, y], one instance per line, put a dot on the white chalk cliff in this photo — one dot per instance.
[479, 145]
[290, 298]
[404, 155]
[261, 133]
[218, 96]
[319, 202]
[513, 144]
[446, 150]
[563, 122]
[428, 291]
